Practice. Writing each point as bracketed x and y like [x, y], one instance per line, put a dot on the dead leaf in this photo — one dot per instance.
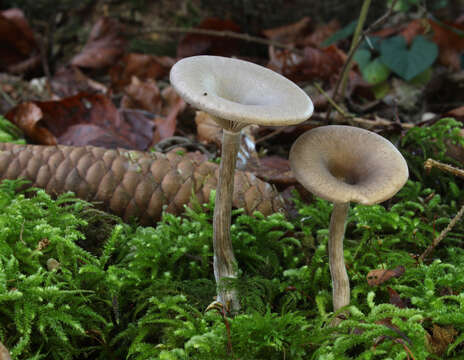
[289, 34]
[166, 127]
[198, 44]
[142, 95]
[140, 65]
[18, 48]
[379, 276]
[274, 170]
[58, 117]
[457, 113]
[314, 64]
[321, 33]
[4, 353]
[441, 338]
[395, 298]
[70, 80]
[89, 134]
[104, 46]
[27, 117]
[208, 131]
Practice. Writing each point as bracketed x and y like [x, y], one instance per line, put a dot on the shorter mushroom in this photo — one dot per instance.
[343, 164]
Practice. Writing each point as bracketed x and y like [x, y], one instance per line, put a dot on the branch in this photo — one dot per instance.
[228, 34]
[360, 121]
[443, 234]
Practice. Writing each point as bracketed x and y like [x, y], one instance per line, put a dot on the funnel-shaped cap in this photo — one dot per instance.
[345, 163]
[240, 91]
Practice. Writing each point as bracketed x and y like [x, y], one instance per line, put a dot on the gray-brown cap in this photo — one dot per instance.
[345, 163]
[240, 91]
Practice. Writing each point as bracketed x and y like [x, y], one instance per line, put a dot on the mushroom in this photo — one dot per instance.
[342, 164]
[235, 93]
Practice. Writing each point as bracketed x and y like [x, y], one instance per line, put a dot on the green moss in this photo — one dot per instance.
[143, 294]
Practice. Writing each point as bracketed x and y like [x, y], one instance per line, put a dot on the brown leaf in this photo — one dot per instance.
[395, 298]
[379, 276]
[57, 117]
[4, 353]
[289, 34]
[18, 47]
[70, 80]
[314, 64]
[275, 170]
[104, 46]
[140, 65]
[27, 117]
[197, 44]
[457, 113]
[89, 134]
[166, 127]
[208, 131]
[441, 338]
[321, 33]
[142, 95]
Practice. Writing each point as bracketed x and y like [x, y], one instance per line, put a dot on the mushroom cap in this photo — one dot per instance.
[240, 91]
[344, 163]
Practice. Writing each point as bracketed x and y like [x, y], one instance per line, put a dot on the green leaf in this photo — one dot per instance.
[407, 63]
[362, 58]
[341, 34]
[375, 72]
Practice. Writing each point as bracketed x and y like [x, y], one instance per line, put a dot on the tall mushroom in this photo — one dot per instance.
[343, 164]
[235, 93]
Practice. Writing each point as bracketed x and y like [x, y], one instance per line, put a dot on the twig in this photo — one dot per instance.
[379, 22]
[430, 163]
[229, 34]
[443, 234]
[332, 101]
[7, 97]
[361, 121]
[270, 135]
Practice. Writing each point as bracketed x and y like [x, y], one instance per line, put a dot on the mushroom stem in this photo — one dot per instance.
[224, 263]
[340, 281]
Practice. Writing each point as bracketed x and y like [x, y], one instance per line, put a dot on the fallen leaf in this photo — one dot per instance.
[4, 353]
[104, 46]
[441, 339]
[274, 170]
[166, 126]
[70, 80]
[27, 117]
[208, 131]
[198, 44]
[321, 33]
[142, 66]
[289, 34]
[457, 113]
[18, 48]
[89, 134]
[142, 95]
[395, 298]
[39, 119]
[379, 276]
[314, 64]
